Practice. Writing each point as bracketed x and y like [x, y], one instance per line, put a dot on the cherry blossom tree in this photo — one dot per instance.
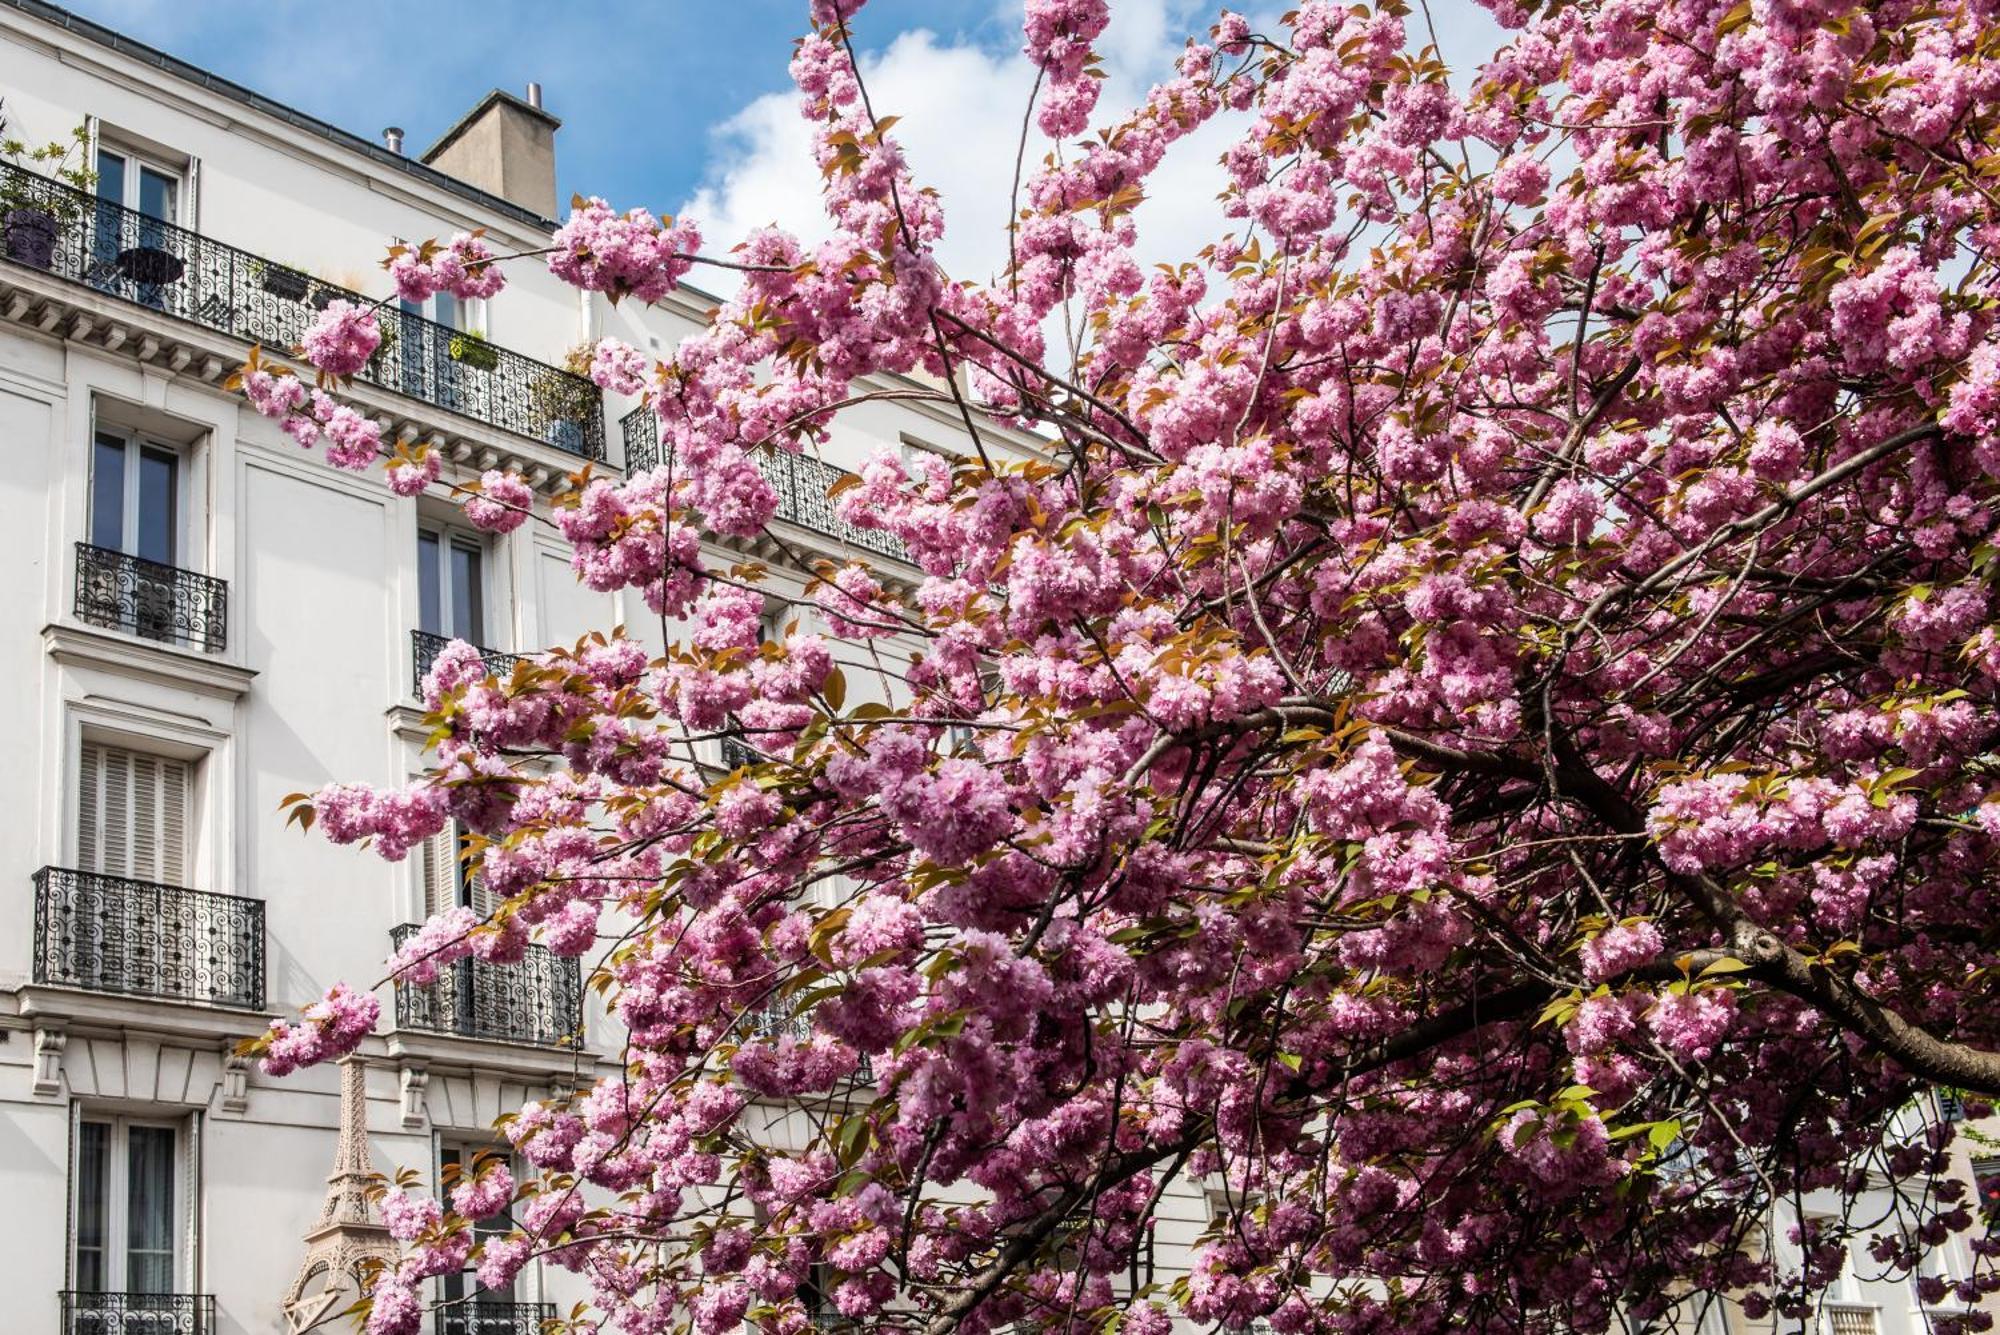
[1472, 743]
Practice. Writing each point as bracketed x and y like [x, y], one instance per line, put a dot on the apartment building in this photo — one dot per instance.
[202, 620]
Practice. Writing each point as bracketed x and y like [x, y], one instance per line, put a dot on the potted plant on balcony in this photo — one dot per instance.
[281, 280]
[33, 212]
[563, 402]
[470, 348]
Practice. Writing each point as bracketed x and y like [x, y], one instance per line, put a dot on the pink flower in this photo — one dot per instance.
[411, 477]
[330, 1028]
[1620, 949]
[502, 504]
[342, 339]
[618, 367]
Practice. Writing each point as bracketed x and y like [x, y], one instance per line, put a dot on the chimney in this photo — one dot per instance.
[392, 139]
[506, 146]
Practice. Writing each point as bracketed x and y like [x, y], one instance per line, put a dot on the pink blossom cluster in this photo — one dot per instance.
[342, 338]
[465, 267]
[623, 254]
[328, 1029]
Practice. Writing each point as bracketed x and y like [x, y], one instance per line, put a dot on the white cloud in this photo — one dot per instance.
[960, 108]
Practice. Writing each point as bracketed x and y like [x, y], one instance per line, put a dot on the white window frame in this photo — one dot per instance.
[138, 159]
[117, 1193]
[449, 536]
[136, 443]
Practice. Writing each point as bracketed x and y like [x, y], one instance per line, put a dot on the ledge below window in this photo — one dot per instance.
[149, 660]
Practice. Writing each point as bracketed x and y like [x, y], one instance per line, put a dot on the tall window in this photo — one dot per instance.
[447, 881]
[132, 814]
[135, 497]
[127, 1206]
[451, 584]
[456, 1285]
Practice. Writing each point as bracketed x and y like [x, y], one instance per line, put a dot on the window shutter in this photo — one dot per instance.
[440, 872]
[132, 814]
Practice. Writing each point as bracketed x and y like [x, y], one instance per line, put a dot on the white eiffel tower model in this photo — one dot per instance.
[348, 1235]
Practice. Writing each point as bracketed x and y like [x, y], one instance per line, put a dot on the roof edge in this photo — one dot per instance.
[188, 72]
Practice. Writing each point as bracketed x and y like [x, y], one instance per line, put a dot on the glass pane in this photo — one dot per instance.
[156, 194]
[107, 493]
[430, 585]
[448, 310]
[93, 1151]
[110, 176]
[467, 614]
[158, 501]
[149, 1266]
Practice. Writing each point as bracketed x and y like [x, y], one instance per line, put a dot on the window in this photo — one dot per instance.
[150, 188]
[451, 584]
[457, 1285]
[447, 881]
[135, 497]
[127, 1207]
[132, 814]
[1986, 1179]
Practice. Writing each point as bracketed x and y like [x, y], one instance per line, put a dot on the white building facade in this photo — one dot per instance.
[203, 619]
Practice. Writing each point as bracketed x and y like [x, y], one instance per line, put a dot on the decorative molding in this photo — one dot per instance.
[235, 1080]
[107, 651]
[48, 1079]
[416, 1079]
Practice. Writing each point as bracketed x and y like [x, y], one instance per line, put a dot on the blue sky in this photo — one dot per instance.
[686, 106]
[638, 85]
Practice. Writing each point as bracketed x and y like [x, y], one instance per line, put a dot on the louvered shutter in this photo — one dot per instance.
[446, 877]
[132, 814]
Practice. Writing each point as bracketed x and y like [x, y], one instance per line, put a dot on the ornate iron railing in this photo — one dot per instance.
[480, 1317]
[425, 648]
[125, 254]
[159, 602]
[538, 1000]
[775, 1020]
[109, 934]
[737, 753]
[802, 484]
[137, 1313]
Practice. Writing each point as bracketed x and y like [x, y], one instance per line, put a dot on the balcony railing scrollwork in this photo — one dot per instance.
[139, 259]
[425, 648]
[480, 1317]
[803, 485]
[158, 602]
[137, 1313]
[538, 1000]
[110, 934]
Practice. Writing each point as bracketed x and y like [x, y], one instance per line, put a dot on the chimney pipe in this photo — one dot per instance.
[535, 96]
[392, 139]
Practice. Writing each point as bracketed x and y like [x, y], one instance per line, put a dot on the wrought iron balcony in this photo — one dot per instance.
[160, 602]
[425, 648]
[138, 1313]
[536, 1001]
[109, 934]
[125, 254]
[480, 1317]
[802, 484]
[775, 1021]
